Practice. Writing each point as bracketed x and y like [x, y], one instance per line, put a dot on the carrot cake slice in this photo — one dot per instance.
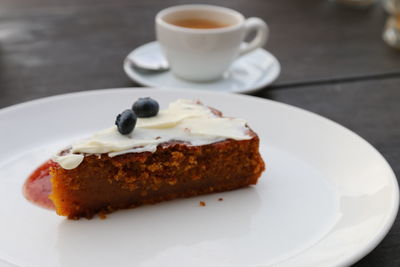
[151, 156]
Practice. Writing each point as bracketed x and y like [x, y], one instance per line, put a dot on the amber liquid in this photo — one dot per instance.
[198, 24]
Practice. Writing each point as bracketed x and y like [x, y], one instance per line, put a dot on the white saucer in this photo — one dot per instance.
[247, 74]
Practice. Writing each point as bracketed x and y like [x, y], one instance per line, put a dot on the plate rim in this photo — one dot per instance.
[351, 259]
[132, 74]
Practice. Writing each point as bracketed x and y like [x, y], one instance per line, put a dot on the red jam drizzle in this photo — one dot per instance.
[37, 187]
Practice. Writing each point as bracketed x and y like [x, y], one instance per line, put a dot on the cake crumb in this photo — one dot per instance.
[202, 203]
[102, 216]
[220, 199]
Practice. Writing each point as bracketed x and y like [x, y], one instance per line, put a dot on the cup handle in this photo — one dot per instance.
[262, 32]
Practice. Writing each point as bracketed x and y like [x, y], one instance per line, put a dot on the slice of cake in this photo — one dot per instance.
[185, 150]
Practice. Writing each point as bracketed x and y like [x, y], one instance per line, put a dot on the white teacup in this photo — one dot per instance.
[201, 41]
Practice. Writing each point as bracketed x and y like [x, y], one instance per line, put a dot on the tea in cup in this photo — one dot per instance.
[200, 42]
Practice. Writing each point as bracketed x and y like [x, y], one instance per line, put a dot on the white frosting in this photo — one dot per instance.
[184, 120]
[69, 161]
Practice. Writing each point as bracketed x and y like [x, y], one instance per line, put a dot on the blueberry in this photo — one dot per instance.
[126, 121]
[145, 107]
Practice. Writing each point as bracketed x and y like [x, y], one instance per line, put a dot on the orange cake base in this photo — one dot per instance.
[101, 184]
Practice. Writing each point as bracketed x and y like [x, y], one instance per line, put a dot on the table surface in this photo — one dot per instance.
[334, 62]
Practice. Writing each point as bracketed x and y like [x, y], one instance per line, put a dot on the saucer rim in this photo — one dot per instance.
[136, 77]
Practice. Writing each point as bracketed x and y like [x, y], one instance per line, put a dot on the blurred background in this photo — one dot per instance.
[49, 47]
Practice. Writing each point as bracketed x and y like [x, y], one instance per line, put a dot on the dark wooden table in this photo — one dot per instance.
[333, 61]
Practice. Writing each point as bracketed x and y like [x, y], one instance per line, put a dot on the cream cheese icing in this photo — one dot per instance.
[184, 120]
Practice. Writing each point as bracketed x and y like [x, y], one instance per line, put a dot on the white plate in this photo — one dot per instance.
[247, 74]
[327, 197]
